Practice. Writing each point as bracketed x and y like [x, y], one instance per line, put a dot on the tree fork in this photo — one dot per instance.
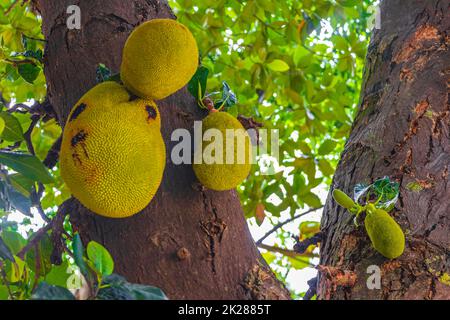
[401, 131]
[223, 262]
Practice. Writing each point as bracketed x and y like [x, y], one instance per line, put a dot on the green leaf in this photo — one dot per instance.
[36, 54]
[45, 291]
[143, 292]
[12, 130]
[325, 167]
[15, 199]
[327, 147]
[43, 250]
[269, 257]
[387, 193]
[21, 183]
[117, 288]
[26, 164]
[4, 293]
[309, 228]
[312, 200]
[102, 73]
[348, 3]
[2, 126]
[278, 65]
[383, 193]
[58, 275]
[78, 253]
[228, 98]
[15, 271]
[298, 263]
[197, 85]
[100, 257]
[28, 71]
[13, 240]
[5, 253]
[340, 43]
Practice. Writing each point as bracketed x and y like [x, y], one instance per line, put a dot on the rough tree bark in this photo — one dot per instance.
[192, 243]
[401, 131]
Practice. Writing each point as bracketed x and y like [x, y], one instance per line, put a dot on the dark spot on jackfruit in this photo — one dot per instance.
[78, 110]
[76, 158]
[79, 137]
[151, 112]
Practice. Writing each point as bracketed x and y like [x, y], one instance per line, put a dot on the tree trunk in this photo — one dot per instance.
[192, 243]
[401, 131]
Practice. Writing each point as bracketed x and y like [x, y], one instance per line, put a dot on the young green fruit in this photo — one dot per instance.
[159, 57]
[386, 235]
[344, 200]
[112, 152]
[223, 176]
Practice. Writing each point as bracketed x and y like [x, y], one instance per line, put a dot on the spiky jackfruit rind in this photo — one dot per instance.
[159, 57]
[221, 177]
[112, 152]
[384, 232]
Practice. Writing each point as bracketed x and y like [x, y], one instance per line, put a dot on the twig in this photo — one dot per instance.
[39, 208]
[281, 224]
[44, 110]
[250, 123]
[38, 267]
[27, 135]
[37, 236]
[35, 194]
[286, 252]
[18, 108]
[55, 223]
[13, 5]
[57, 231]
[36, 39]
[18, 62]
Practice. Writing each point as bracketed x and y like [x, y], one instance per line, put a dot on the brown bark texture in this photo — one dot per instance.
[192, 243]
[402, 131]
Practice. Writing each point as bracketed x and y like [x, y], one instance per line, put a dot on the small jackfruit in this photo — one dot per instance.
[112, 152]
[344, 200]
[160, 57]
[223, 175]
[384, 232]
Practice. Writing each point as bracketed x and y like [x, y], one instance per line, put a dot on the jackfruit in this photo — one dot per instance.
[384, 232]
[214, 172]
[112, 152]
[160, 57]
[344, 200]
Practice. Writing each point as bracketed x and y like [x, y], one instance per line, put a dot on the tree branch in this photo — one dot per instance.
[56, 224]
[287, 252]
[53, 154]
[27, 134]
[281, 224]
[35, 239]
[35, 194]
